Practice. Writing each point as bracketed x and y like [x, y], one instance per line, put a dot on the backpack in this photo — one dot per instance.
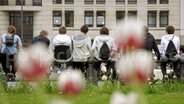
[171, 49]
[9, 40]
[104, 52]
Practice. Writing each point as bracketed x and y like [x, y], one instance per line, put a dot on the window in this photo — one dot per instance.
[37, 2]
[100, 1]
[56, 1]
[120, 15]
[164, 18]
[57, 18]
[69, 18]
[132, 14]
[152, 15]
[3, 2]
[19, 2]
[88, 1]
[164, 1]
[69, 1]
[100, 18]
[152, 1]
[89, 18]
[120, 1]
[132, 1]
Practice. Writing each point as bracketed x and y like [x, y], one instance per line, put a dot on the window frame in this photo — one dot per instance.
[53, 15]
[18, 2]
[100, 1]
[69, 2]
[161, 16]
[66, 17]
[3, 2]
[88, 1]
[120, 12]
[164, 1]
[132, 1]
[56, 2]
[155, 17]
[152, 2]
[36, 3]
[97, 12]
[120, 1]
[85, 15]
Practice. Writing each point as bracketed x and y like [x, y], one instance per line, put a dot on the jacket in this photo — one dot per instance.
[151, 45]
[98, 42]
[81, 47]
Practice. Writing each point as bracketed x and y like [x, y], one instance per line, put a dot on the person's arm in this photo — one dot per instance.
[162, 46]
[1, 43]
[89, 44]
[156, 50]
[19, 43]
[114, 48]
[178, 46]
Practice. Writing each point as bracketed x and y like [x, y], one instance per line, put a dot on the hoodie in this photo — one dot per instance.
[165, 41]
[98, 42]
[81, 48]
[62, 39]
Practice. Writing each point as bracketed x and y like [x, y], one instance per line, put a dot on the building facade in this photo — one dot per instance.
[50, 14]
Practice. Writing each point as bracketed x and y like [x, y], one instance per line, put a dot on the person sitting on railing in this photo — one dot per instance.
[105, 49]
[170, 48]
[81, 49]
[151, 45]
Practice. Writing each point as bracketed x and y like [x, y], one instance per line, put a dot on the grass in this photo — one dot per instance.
[158, 93]
[170, 92]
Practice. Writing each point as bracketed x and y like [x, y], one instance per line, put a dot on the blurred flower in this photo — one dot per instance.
[33, 63]
[129, 34]
[135, 66]
[71, 82]
[119, 98]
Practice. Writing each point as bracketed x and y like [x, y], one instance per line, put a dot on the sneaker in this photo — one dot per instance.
[174, 77]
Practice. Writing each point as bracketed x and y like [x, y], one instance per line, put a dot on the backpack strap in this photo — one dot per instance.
[172, 38]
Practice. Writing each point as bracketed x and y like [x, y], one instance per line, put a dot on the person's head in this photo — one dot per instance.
[104, 31]
[62, 30]
[44, 33]
[84, 29]
[170, 30]
[12, 29]
[145, 29]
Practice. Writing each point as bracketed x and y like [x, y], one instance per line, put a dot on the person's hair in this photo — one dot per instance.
[12, 29]
[145, 29]
[62, 30]
[170, 29]
[104, 31]
[84, 29]
[44, 32]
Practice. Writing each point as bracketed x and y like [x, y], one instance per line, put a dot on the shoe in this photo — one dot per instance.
[174, 77]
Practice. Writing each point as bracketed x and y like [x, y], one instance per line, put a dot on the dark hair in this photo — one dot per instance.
[104, 30]
[170, 29]
[62, 30]
[44, 32]
[12, 29]
[84, 29]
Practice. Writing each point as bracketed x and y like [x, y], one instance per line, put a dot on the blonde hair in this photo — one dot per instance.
[12, 29]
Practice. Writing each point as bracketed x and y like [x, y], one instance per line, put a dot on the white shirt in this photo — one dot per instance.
[165, 41]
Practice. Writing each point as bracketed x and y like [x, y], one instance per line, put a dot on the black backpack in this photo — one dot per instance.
[9, 40]
[171, 49]
[104, 52]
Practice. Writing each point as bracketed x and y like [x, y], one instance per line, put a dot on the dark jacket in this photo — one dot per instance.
[150, 45]
[41, 39]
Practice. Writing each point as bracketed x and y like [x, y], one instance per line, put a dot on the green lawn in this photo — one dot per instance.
[158, 93]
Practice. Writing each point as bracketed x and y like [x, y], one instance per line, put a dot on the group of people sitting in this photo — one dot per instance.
[79, 48]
